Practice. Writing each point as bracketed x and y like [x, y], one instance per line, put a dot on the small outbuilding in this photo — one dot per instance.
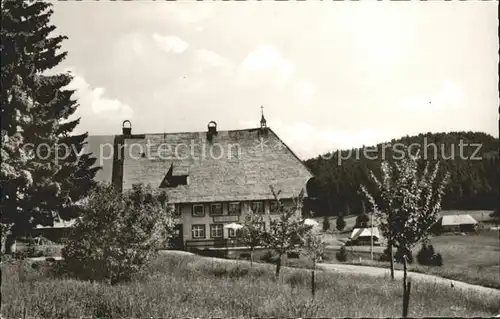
[361, 236]
[457, 223]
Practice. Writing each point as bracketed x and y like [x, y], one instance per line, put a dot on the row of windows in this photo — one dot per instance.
[216, 231]
[198, 210]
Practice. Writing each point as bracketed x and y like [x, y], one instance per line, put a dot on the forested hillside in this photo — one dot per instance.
[471, 158]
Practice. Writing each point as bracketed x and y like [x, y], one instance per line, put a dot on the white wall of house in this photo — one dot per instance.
[188, 220]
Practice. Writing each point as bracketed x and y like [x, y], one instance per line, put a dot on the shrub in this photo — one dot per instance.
[398, 255]
[326, 224]
[269, 257]
[400, 252]
[342, 254]
[386, 256]
[427, 256]
[340, 223]
[438, 260]
[117, 234]
[362, 221]
[293, 254]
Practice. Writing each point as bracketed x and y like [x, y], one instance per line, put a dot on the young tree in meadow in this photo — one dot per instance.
[340, 224]
[287, 231]
[118, 234]
[407, 203]
[326, 224]
[252, 233]
[314, 247]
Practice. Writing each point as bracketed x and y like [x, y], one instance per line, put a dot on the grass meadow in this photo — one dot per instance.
[182, 285]
[471, 258]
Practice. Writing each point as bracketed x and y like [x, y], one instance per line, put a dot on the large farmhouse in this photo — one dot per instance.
[211, 177]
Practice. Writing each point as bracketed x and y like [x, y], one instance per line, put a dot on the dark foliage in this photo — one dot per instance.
[340, 225]
[269, 257]
[36, 108]
[362, 221]
[385, 256]
[342, 254]
[473, 183]
[398, 256]
[293, 255]
[427, 256]
[118, 234]
[326, 224]
[400, 253]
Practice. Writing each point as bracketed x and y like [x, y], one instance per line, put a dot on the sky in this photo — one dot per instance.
[329, 75]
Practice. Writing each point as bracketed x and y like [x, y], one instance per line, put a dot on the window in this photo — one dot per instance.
[234, 209]
[216, 231]
[215, 209]
[198, 231]
[233, 232]
[257, 207]
[198, 211]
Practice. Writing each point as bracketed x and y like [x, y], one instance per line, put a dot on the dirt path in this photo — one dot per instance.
[398, 274]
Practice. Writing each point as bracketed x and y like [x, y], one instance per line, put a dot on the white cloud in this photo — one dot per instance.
[211, 58]
[266, 63]
[182, 14]
[94, 106]
[305, 92]
[170, 43]
[449, 96]
[127, 48]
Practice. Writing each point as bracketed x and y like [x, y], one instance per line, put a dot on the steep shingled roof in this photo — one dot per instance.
[235, 165]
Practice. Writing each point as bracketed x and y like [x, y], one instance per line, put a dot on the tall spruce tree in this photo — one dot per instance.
[37, 108]
[15, 112]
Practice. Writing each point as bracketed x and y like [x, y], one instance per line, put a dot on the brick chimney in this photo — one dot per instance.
[212, 130]
[126, 129]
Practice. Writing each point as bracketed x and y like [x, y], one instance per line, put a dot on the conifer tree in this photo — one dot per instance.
[326, 224]
[15, 111]
[35, 117]
[340, 223]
